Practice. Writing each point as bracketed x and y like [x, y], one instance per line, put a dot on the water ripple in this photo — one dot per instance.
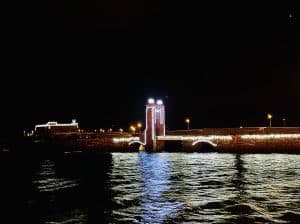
[206, 188]
[46, 179]
[158, 188]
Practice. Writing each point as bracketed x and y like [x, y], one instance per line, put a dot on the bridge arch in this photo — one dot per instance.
[136, 142]
[136, 145]
[204, 145]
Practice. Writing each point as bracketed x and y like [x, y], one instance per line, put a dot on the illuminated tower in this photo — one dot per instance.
[159, 118]
[155, 122]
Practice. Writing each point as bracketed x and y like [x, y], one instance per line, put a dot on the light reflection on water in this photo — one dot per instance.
[47, 180]
[207, 188]
[158, 188]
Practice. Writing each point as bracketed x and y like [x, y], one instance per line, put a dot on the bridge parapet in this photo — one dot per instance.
[236, 131]
[213, 138]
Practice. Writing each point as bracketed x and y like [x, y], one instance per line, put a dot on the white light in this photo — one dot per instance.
[118, 140]
[159, 102]
[54, 123]
[150, 101]
[142, 143]
[196, 138]
[271, 136]
[206, 141]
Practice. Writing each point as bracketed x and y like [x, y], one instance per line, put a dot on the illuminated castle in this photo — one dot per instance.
[155, 122]
[52, 127]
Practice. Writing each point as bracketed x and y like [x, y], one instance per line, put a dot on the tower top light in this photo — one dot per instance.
[159, 102]
[151, 101]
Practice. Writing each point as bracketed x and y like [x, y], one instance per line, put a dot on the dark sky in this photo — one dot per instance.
[221, 63]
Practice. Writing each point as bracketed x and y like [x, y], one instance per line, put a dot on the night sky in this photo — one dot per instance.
[220, 63]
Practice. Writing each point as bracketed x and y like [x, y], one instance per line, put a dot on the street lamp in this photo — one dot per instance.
[187, 121]
[139, 126]
[269, 116]
[132, 128]
[284, 122]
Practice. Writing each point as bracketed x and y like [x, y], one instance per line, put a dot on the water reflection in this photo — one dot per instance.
[46, 179]
[126, 188]
[72, 188]
[238, 179]
[156, 171]
[152, 188]
[240, 209]
[201, 188]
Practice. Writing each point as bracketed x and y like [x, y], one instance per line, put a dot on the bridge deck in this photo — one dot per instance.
[236, 131]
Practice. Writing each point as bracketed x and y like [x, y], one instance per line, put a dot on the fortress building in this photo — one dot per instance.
[52, 127]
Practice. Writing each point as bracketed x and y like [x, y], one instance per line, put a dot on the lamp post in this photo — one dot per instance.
[187, 121]
[139, 126]
[269, 116]
[284, 122]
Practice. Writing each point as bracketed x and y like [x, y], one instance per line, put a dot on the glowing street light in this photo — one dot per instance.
[269, 116]
[284, 122]
[187, 121]
[139, 126]
[132, 128]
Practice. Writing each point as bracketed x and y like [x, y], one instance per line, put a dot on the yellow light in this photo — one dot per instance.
[269, 116]
[132, 128]
[139, 125]
[187, 120]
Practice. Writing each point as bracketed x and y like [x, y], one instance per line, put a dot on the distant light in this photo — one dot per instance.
[151, 101]
[139, 125]
[187, 120]
[132, 128]
[159, 102]
[269, 116]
